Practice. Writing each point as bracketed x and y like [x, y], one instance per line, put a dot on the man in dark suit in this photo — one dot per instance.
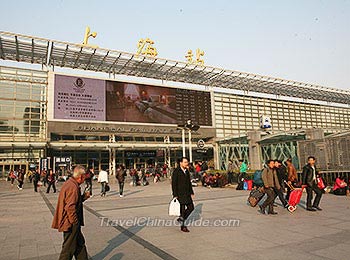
[309, 179]
[182, 190]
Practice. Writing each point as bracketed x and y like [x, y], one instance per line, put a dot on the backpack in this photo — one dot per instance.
[257, 178]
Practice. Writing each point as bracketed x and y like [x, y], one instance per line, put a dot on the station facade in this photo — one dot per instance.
[134, 116]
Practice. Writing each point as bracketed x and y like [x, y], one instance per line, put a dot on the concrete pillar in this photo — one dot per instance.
[254, 149]
[314, 134]
[216, 156]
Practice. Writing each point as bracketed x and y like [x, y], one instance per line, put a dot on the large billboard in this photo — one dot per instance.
[79, 98]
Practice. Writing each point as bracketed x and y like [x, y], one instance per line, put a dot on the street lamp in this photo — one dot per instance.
[190, 126]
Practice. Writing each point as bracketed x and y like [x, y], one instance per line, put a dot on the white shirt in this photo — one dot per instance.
[313, 173]
[103, 176]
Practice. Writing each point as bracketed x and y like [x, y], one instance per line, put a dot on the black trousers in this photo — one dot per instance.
[73, 244]
[20, 183]
[53, 184]
[230, 177]
[270, 199]
[279, 193]
[309, 191]
[121, 188]
[88, 183]
[341, 191]
[185, 211]
[35, 183]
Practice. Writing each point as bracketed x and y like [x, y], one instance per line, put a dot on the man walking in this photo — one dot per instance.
[51, 181]
[69, 218]
[36, 179]
[120, 175]
[103, 179]
[309, 179]
[281, 172]
[230, 172]
[88, 179]
[292, 177]
[182, 190]
[270, 180]
[20, 179]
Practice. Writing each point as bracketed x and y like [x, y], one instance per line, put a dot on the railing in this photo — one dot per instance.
[330, 176]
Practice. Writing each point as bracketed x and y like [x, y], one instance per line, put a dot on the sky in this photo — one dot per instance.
[306, 41]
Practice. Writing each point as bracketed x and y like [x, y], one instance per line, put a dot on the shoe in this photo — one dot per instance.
[180, 220]
[317, 208]
[121, 196]
[310, 209]
[286, 206]
[17, 187]
[184, 229]
[273, 213]
[262, 210]
[20, 188]
[275, 205]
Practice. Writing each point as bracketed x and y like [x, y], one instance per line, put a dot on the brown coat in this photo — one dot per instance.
[292, 173]
[69, 209]
[120, 175]
[270, 178]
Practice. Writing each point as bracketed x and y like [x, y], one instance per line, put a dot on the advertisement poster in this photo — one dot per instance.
[79, 98]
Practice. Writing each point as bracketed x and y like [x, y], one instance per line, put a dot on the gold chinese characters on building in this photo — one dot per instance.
[198, 60]
[87, 35]
[145, 47]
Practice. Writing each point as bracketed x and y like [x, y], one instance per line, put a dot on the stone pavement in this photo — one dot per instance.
[25, 220]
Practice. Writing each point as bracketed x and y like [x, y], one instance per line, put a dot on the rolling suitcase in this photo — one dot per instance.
[294, 197]
[255, 196]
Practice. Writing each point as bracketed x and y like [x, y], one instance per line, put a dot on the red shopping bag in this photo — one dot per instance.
[320, 183]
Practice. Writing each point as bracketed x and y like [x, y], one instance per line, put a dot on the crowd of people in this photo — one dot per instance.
[276, 178]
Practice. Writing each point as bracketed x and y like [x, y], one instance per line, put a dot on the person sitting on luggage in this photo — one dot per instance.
[340, 187]
[204, 179]
[219, 180]
[292, 177]
[210, 181]
[270, 180]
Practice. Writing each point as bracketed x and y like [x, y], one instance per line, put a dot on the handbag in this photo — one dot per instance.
[107, 188]
[174, 207]
[320, 183]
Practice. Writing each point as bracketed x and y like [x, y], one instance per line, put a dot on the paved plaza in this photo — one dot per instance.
[122, 228]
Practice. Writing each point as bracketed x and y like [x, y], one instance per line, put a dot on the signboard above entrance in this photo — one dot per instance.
[79, 98]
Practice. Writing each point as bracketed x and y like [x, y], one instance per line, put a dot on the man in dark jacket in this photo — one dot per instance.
[120, 175]
[309, 179]
[281, 172]
[51, 180]
[69, 218]
[182, 190]
[88, 179]
[36, 179]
